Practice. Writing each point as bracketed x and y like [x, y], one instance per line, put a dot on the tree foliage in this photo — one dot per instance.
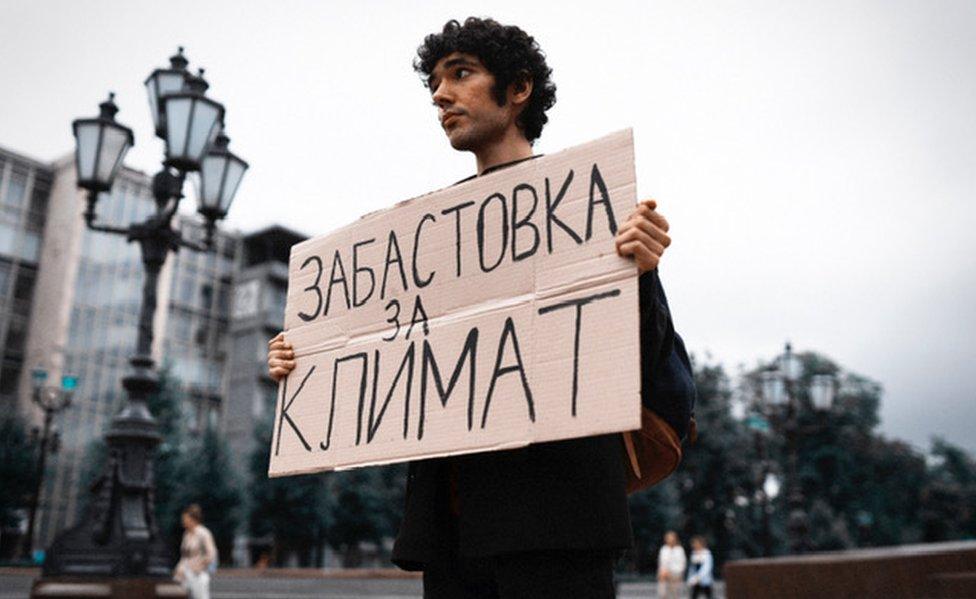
[293, 511]
[18, 470]
[204, 476]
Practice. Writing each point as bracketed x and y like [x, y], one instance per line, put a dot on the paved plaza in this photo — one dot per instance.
[16, 585]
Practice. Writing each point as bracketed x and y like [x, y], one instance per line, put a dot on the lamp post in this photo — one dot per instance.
[781, 401]
[119, 536]
[51, 400]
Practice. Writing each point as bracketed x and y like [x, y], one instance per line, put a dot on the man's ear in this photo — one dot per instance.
[520, 90]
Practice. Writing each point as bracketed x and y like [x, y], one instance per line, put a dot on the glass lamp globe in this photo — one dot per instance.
[100, 146]
[220, 175]
[773, 388]
[163, 82]
[192, 122]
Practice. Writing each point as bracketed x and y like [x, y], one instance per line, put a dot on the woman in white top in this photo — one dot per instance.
[197, 554]
[700, 571]
[670, 567]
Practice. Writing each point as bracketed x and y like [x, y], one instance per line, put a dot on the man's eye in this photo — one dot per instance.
[462, 73]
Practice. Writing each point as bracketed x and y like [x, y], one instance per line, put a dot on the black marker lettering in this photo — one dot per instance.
[393, 245]
[395, 319]
[596, 182]
[457, 229]
[420, 283]
[470, 351]
[508, 332]
[481, 231]
[337, 261]
[419, 315]
[313, 287]
[578, 303]
[376, 419]
[551, 206]
[287, 406]
[525, 222]
[324, 445]
[356, 302]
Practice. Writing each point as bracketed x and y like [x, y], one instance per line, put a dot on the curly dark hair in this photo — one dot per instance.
[509, 53]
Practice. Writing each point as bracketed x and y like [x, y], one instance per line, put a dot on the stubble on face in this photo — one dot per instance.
[468, 133]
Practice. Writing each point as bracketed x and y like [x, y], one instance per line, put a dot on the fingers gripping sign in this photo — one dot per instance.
[644, 236]
[281, 357]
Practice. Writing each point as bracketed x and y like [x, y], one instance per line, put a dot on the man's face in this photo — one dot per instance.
[461, 88]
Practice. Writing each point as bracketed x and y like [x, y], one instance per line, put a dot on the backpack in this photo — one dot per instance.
[653, 452]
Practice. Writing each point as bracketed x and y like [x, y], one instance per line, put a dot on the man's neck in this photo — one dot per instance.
[511, 147]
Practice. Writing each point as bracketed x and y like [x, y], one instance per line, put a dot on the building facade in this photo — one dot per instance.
[258, 315]
[25, 186]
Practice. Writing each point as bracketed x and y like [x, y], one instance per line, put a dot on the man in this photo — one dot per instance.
[550, 519]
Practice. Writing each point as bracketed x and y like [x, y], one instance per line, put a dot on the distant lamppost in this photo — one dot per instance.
[51, 400]
[119, 536]
[782, 403]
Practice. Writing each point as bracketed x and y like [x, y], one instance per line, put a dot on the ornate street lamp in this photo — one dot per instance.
[119, 538]
[51, 400]
[778, 394]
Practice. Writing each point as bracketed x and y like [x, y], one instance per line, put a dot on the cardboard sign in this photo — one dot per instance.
[485, 316]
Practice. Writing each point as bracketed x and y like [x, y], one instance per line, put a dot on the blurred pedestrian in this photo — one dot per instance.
[671, 561]
[700, 569]
[198, 555]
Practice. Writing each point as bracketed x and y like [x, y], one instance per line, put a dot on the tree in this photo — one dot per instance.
[948, 499]
[167, 407]
[294, 511]
[653, 512]
[18, 471]
[367, 504]
[717, 471]
[204, 476]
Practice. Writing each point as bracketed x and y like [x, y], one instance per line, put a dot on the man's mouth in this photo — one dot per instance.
[448, 116]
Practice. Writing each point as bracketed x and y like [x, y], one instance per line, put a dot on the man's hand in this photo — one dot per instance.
[281, 357]
[644, 236]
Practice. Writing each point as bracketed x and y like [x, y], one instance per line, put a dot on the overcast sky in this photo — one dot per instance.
[817, 160]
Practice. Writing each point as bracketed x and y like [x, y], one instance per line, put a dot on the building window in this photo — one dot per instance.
[16, 187]
[5, 269]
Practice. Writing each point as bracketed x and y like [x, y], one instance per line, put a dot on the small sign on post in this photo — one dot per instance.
[485, 316]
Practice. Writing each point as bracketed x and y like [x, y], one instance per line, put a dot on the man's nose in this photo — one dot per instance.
[442, 95]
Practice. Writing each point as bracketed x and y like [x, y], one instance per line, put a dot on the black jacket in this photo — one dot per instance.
[558, 495]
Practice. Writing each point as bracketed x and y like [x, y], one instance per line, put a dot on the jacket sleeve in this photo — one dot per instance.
[667, 384]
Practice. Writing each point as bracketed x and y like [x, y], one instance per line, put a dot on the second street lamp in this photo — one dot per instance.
[781, 400]
[51, 400]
